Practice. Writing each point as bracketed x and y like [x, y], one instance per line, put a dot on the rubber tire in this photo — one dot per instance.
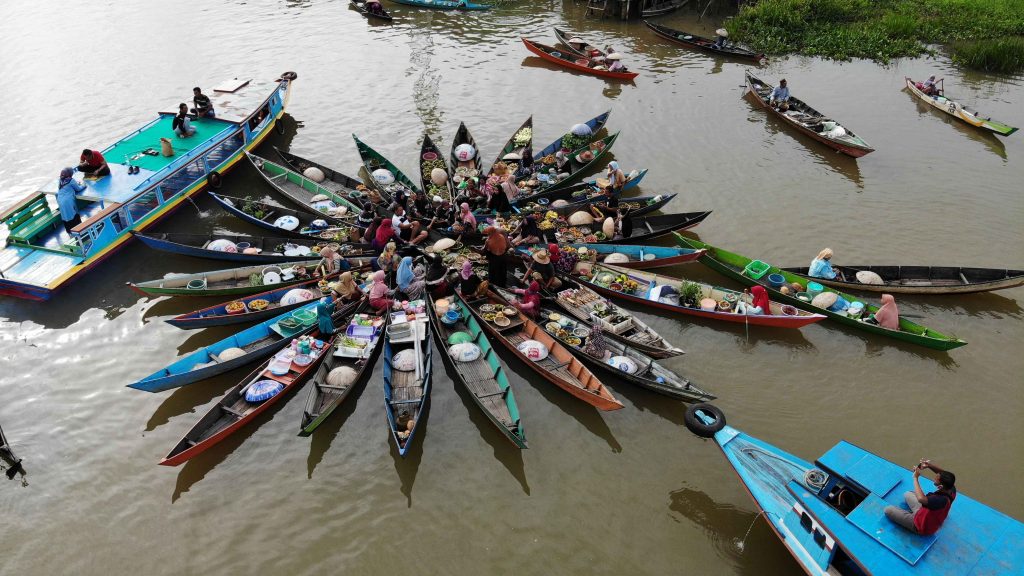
[215, 180]
[289, 76]
[697, 426]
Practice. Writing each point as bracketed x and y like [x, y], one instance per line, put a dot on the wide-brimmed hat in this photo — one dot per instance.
[577, 40]
[722, 32]
[825, 299]
[541, 257]
[614, 56]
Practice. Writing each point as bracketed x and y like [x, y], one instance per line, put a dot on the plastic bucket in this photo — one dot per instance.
[813, 289]
[776, 280]
[197, 284]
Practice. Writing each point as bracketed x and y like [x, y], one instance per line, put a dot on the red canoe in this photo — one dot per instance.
[552, 54]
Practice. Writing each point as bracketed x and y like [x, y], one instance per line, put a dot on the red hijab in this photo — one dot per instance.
[761, 299]
[384, 232]
[532, 295]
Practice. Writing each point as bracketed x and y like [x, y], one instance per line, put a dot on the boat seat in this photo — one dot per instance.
[231, 411]
[330, 387]
[31, 221]
[410, 401]
[502, 393]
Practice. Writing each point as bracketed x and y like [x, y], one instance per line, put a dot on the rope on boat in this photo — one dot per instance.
[815, 478]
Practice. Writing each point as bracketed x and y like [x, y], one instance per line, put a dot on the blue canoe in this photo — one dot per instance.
[259, 341]
[445, 4]
[217, 315]
[595, 124]
[640, 257]
[829, 513]
[406, 390]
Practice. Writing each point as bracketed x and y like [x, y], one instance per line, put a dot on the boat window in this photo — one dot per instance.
[183, 177]
[117, 221]
[85, 239]
[224, 150]
[260, 117]
[142, 205]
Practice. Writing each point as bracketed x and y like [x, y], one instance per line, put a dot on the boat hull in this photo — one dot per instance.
[538, 49]
[956, 110]
[1011, 279]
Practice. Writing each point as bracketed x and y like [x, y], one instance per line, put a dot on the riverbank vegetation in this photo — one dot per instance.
[985, 34]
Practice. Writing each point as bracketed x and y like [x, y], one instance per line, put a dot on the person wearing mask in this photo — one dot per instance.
[927, 511]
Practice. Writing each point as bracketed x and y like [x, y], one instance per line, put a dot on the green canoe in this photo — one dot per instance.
[733, 265]
[372, 160]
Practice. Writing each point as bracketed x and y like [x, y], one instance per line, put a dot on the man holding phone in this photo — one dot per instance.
[927, 511]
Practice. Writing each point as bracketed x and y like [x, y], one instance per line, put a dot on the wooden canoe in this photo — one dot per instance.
[578, 51]
[324, 398]
[577, 167]
[229, 282]
[595, 124]
[705, 44]
[663, 9]
[302, 191]
[372, 160]
[959, 111]
[732, 265]
[647, 281]
[429, 188]
[233, 411]
[650, 374]
[575, 192]
[462, 136]
[808, 121]
[445, 4]
[637, 205]
[921, 279]
[335, 181]
[560, 367]
[578, 300]
[258, 342]
[640, 257]
[511, 147]
[644, 228]
[484, 378]
[573, 62]
[270, 213]
[360, 6]
[196, 245]
[407, 391]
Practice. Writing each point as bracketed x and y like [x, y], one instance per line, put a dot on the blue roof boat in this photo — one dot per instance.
[258, 342]
[40, 256]
[829, 513]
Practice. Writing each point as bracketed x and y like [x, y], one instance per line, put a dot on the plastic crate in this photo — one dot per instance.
[756, 269]
[609, 327]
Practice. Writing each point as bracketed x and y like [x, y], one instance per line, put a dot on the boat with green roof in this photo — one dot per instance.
[40, 256]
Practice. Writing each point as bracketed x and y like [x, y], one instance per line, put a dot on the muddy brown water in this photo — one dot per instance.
[630, 492]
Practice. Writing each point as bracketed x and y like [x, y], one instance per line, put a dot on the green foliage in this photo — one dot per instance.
[999, 55]
[885, 29]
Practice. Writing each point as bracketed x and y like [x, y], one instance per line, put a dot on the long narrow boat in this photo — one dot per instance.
[644, 228]
[356, 349]
[309, 196]
[587, 51]
[445, 4]
[40, 257]
[577, 192]
[572, 62]
[577, 166]
[484, 378]
[463, 136]
[830, 513]
[959, 111]
[705, 44]
[14, 465]
[808, 121]
[650, 288]
[646, 372]
[637, 205]
[663, 9]
[407, 391]
[293, 223]
[595, 125]
[267, 305]
[373, 161]
[640, 257]
[257, 342]
[582, 302]
[733, 266]
[229, 282]
[920, 279]
[520, 144]
[559, 366]
[234, 410]
[360, 6]
[273, 249]
[431, 157]
[340, 184]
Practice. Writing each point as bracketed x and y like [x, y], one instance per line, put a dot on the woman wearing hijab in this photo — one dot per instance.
[494, 249]
[468, 283]
[383, 235]
[467, 215]
[760, 304]
[346, 288]
[529, 300]
[821, 267]
[333, 261]
[528, 232]
[379, 293]
[388, 260]
[499, 200]
[404, 277]
[564, 262]
[616, 179]
[67, 188]
[324, 310]
[888, 315]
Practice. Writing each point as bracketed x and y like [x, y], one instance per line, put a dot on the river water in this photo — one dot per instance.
[629, 492]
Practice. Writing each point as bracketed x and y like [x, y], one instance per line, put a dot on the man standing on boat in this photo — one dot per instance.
[779, 98]
[927, 511]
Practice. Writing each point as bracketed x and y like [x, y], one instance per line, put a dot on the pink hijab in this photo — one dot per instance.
[379, 288]
[888, 316]
[467, 215]
[467, 270]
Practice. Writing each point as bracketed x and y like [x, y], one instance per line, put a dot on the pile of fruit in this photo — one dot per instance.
[258, 304]
[523, 137]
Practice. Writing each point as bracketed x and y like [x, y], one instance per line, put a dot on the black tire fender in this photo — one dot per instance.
[696, 424]
[215, 180]
[289, 75]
